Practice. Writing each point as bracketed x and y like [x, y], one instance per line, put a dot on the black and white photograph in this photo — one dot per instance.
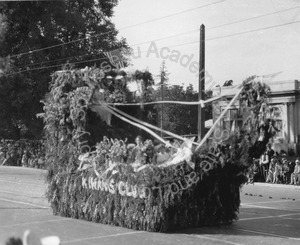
[147, 122]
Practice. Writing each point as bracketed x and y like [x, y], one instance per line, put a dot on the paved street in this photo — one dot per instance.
[270, 214]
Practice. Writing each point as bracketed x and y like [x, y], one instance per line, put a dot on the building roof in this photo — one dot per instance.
[277, 88]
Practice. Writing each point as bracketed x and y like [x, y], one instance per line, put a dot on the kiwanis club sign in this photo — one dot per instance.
[135, 191]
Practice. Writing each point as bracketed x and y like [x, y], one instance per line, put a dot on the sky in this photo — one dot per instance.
[146, 23]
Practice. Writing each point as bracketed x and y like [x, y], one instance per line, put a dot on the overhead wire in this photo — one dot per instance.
[146, 42]
[180, 34]
[187, 43]
[167, 16]
[220, 37]
[126, 27]
[229, 35]
[236, 34]
[227, 24]
[51, 61]
[175, 35]
[58, 65]
[252, 18]
[255, 30]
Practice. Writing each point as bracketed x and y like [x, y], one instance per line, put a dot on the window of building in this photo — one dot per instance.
[232, 116]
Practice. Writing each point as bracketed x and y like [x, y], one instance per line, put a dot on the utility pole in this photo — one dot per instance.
[162, 104]
[201, 95]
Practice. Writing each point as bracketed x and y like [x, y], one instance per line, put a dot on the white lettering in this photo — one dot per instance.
[83, 183]
[111, 187]
[121, 188]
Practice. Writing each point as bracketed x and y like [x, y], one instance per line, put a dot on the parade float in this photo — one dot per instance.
[143, 186]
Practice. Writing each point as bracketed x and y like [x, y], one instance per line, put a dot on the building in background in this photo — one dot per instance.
[285, 104]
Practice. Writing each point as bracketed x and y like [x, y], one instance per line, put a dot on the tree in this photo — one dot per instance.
[181, 119]
[143, 112]
[18, 107]
[163, 84]
[28, 27]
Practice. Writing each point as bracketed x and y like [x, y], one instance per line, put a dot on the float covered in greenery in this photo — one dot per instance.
[143, 186]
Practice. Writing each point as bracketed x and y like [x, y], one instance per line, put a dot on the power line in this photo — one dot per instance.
[146, 42]
[218, 26]
[227, 24]
[167, 16]
[50, 61]
[250, 31]
[175, 35]
[237, 34]
[220, 37]
[46, 67]
[126, 27]
[252, 18]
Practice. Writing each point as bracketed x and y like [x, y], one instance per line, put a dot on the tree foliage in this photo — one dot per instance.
[180, 119]
[19, 103]
[73, 104]
[28, 27]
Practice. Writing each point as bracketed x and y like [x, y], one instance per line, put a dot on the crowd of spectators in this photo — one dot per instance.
[275, 168]
[270, 168]
[26, 153]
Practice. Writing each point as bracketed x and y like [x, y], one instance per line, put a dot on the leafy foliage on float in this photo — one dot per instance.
[142, 186]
